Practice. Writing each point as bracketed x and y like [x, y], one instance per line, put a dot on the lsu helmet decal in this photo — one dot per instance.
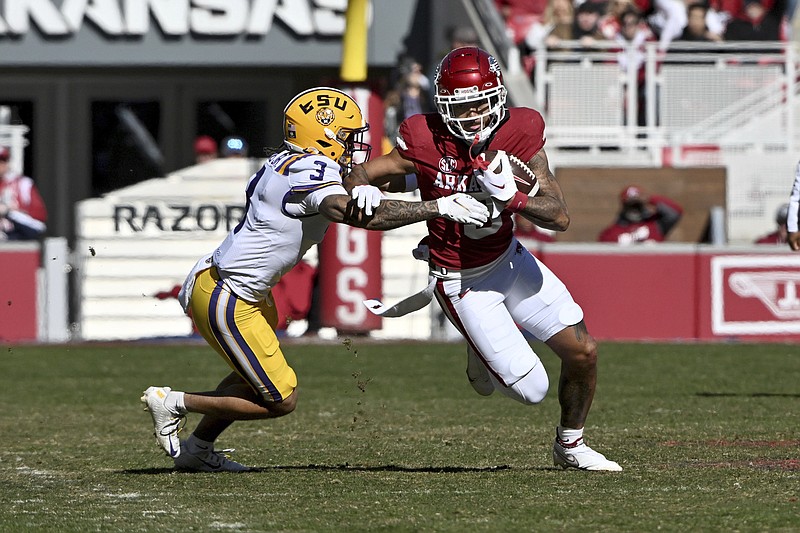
[326, 121]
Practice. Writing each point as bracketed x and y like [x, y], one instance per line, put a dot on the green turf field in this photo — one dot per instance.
[391, 437]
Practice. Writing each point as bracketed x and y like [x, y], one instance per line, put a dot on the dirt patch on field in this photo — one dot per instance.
[722, 443]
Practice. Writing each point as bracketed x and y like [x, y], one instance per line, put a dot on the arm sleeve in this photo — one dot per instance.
[669, 213]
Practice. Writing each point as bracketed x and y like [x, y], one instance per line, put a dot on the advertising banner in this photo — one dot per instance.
[349, 272]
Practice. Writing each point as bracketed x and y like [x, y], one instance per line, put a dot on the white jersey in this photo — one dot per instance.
[281, 222]
[794, 203]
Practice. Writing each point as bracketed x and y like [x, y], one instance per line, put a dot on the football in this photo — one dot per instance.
[523, 175]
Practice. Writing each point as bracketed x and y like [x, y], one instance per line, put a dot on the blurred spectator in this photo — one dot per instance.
[587, 17]
[555, 25]
[409, 95]
[667, 19]
[234, 146]
[293, 295]
[697, 29]
[759, 20]
[529, 233]
[460, 36]
[520, 15]
[22, 210]
[642, 219]
[779, 235]
[457, 37]
[610, 23]
[561, 22]
[205, 149]
[633, 33]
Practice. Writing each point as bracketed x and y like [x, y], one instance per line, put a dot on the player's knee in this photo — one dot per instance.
[532, 388]
[588, 353]
[278, 409]
[583, 355]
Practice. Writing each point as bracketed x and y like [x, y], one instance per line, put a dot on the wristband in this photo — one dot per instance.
[518, 202]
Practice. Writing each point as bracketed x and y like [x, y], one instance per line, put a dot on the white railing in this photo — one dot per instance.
[738, 95]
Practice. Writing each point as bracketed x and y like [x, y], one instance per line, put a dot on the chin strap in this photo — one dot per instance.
[478, 163]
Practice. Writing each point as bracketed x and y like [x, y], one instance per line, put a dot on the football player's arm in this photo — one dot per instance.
[387, 172]
[547, 209]
[793, 216]
[390, 214]
[794, 240]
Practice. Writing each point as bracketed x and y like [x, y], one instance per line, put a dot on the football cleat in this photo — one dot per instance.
[166, 424]
[478, 375]
[579, 455]
[206, 461]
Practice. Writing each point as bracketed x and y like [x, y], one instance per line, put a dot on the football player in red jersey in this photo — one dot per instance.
[486, 282]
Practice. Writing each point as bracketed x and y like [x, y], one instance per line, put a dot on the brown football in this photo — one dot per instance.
[523, 175]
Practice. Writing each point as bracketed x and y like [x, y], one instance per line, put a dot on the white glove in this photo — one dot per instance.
[498, 178]
[463, 208]
[368, 196]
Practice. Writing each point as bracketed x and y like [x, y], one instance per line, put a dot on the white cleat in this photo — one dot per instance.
[206, 461]
[478, 375]
[579, 455]
[166, 424]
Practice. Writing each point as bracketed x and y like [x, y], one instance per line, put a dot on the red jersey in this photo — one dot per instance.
[444, 167]
[653, 228]
[644, 231]
[27, 216]
[776, 237]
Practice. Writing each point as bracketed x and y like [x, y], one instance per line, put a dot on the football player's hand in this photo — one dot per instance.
[463, 208]
[498, 178]
[794, 240]
[367, 197]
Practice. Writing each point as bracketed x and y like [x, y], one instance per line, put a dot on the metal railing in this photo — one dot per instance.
[739, 96]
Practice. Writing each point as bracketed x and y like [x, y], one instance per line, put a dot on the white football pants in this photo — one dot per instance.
[486, 306]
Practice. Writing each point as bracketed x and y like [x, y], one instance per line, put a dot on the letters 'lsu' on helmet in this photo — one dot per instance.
[326, 121]
[467, 78]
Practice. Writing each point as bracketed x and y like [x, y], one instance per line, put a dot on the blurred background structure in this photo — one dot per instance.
[103, 108]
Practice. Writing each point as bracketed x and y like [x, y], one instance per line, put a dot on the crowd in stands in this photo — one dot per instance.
[532, 24]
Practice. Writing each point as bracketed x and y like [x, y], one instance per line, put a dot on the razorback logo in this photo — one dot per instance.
[777, 290]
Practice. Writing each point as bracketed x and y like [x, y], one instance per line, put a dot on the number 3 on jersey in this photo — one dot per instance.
[320, 171]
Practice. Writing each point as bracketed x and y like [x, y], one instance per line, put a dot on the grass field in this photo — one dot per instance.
[391, 437]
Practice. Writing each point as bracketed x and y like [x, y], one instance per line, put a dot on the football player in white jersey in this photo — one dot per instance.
[290, 202]
[794, 213]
